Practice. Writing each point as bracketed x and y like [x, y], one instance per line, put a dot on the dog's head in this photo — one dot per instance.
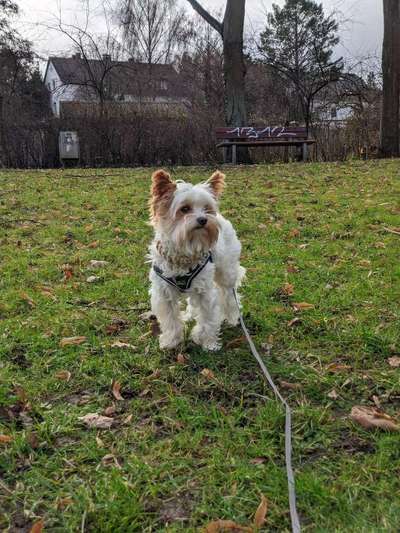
[184, 212]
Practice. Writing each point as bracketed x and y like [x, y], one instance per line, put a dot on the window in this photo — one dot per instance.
[164, 85]
[333, 111]
[54, 84]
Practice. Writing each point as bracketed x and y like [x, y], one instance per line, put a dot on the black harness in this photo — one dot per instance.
[183, 282]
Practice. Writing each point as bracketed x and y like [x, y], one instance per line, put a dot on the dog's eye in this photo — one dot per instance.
[185, 209]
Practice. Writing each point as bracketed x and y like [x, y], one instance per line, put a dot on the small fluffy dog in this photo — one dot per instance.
[195, 256]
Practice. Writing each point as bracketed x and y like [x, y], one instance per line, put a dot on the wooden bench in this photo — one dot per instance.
[231, 138]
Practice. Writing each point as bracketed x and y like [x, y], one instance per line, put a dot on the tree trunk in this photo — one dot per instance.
[389, 142]
[234, 67]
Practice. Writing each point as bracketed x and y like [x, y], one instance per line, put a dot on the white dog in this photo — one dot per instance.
[195, 255]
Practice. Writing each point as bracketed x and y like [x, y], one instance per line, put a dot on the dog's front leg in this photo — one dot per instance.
[208, 319]
[165, 306]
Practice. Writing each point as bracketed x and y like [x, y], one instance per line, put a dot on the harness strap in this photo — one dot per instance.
[184, 281]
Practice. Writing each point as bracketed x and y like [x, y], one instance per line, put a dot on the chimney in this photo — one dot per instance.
[76, 56]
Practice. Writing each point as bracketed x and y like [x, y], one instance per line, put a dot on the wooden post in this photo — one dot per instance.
[234, 154]
[305, 152]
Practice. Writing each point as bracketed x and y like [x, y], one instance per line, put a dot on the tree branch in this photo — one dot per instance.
[207, 16]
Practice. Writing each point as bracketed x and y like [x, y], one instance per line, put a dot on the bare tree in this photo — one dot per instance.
[389, 138]
[231, 31]
[153, 30]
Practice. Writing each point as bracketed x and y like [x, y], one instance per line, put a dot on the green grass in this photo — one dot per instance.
[186, 454]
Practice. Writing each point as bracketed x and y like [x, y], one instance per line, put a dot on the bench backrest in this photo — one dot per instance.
[257, 134]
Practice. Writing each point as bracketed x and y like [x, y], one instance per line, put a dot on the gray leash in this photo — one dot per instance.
[288, 426]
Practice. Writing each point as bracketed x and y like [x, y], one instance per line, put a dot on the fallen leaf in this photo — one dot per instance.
[110, 410]
[99, 442]
[289, 386]
[371, 418]
[67, 271]
[66, 341]
[46, 291]
[181, 359]
[220, 525]
[337, 367]
[235, 343]
[376, 401]
[394, 361]
[117, 325]
[259, 517]
[94, 263]
[89, 228]
[62, 503]
[94, 420]
[292, 269]
[258, 460]
[144, 392]
[6, 438]
[28, 299]
[294, 321]
[126, 421]
[301, 306]
[333, 395]
[293, 233]
[33, 440]
[116, 390]
[93, 244]
[37, 527]
[92, 279]
[288, 289]
[365, 263]
[154, 375]
[65, 375]
[207, 373]
[119, 344]
[109, 460]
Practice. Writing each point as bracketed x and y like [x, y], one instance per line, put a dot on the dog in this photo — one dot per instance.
[195, 255]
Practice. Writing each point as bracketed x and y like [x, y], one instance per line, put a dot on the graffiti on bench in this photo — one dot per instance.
[261, 133]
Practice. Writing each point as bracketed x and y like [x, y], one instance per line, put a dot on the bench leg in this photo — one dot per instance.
[304, 152]
[234, 154]
[225, 153]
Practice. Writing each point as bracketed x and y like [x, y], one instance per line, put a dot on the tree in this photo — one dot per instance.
[231, 31]
[298, 42]
[153, 30]
[389, 138]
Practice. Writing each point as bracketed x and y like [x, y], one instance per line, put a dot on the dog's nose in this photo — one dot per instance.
[202, 221]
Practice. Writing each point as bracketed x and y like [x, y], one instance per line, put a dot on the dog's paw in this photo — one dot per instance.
[207, 342]
[169, 343]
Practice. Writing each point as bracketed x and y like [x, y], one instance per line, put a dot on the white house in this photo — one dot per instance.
[79, 79]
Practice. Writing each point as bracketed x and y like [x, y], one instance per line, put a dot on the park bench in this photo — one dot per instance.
[231, 138]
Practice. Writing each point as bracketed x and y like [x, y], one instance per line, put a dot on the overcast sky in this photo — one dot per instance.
[361, 22]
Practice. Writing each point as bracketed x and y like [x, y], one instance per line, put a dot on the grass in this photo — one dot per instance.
[185, 448]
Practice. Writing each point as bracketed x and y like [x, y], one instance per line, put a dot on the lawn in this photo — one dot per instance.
[189, 445]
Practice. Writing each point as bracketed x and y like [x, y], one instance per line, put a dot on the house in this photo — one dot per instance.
[79, 79]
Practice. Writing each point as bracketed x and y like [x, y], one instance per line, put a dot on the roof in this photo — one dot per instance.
[120, 77]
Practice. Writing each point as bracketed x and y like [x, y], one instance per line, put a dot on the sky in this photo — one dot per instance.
[361, 21]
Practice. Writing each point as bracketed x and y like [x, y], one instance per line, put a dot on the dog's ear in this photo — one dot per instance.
[216, 183]
[162, 190]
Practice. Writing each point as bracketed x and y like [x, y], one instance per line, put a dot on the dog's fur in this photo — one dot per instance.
[180, 243]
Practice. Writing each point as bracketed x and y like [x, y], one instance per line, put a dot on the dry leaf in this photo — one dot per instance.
[207, 373]
[294, 321]
[92, 279]
[89, 228]
[371, 418]
[288, 289]
[109, 460]
[333, 395]
[301, 306]
[6, 438]
[116, 388]
[97, 264]
[28, 299]
[117, 325]
[119, 344]
[126, 421]
[63, 374]
[154, 375]
[67, 271]
[235, 343]
[37, 527]
[259, 517]
[289, 386]
[181, 359]
[221, 525]
[66, 341]
[376, 401]
[110, 410]
[292, 269]
[293, 233]
[337, 367]
[94, 420]
[93, 244]
[33, 440]
[394, 361]
[258, 460]
[144, 392]
[62, 503]
[99, 442]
